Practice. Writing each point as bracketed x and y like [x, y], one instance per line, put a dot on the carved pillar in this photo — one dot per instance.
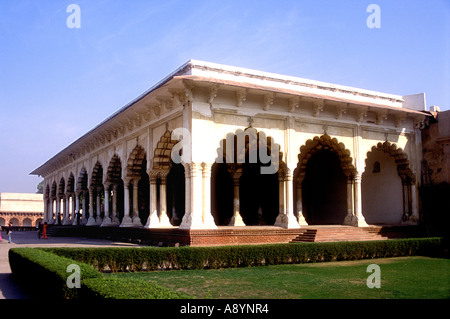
[84, 218]
[126, 221]
[358, 216]
[76, 213]
[350, 212]
[236, 220]
[106, 218]
[299, 205]
[163, 217]
[153, 218]
[50, 212]
[187, 218]
[98, 213]
[135, 218]
[91, 221]
[286, 218]
[114, 217]
[45, 210]
[66, 218]
[415, 212]
[200, 216]
[58, 210]
[208, 220]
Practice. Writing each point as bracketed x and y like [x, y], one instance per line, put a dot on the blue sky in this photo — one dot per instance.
[57, 83]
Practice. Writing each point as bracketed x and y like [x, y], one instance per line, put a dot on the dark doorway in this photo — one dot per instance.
[175, 193]
[324, 190]
[259, 197]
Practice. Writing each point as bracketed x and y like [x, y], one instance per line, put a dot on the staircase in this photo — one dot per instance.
[336, 233]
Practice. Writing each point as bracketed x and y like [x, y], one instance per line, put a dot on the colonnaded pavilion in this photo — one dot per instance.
[212, 146]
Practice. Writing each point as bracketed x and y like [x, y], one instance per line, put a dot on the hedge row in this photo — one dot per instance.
[44, 275]
[151, 258]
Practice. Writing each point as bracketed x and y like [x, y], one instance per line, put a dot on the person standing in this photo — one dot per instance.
[0, 233]
[8, 232]
[44, 231]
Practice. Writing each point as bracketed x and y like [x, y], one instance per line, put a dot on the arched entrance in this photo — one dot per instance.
[324, 190]
[136, 184]
[387, 186]
[114, 185]
[245, 180]
[324, 183]
[167, 186]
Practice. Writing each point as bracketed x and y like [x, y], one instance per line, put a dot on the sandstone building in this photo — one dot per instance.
[213, 145]
[21, 209]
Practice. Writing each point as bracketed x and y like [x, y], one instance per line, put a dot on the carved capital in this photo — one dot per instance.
[268, 101]
[318, 107]
[241, 96]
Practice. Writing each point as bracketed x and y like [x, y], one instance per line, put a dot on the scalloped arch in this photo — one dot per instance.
[400, 157]
[324, 142]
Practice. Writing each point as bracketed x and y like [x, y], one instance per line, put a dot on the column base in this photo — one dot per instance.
[188, 223]
[164, 221]
[127, 222]
[152, 221]
[359, 222]
[301, 220]
[236, 220]
[285, 221]
[106, 222]
[137, 221]
[91, 222]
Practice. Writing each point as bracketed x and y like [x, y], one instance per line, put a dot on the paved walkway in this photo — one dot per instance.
[8, 288]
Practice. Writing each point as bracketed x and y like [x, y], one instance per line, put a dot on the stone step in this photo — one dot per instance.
[333, 234]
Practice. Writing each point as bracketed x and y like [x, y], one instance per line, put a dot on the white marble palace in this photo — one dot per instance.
[214, 145]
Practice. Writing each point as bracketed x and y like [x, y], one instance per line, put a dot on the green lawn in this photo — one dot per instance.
[405, 277]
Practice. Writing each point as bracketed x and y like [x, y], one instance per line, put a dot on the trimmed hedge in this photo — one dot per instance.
[151, 258]
[44, 274]
[127, 288]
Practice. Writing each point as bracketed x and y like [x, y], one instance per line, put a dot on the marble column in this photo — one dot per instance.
[163, 217]
[50, 220]
[126, 220]
[208, 219]
[135, 218]
[350, 200]
[84, 205]
[358, 216]
[106, 218]
[299, 205]
[76, 213]
[153, 218]
[236, 220]
[115, 217]
[91, 221]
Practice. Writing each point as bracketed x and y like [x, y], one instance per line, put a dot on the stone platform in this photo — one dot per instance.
[237, 235]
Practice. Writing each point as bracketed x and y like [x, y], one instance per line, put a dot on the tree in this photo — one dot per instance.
[40, 188]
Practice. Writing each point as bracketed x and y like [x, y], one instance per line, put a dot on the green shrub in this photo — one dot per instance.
[151, 258]
[127, 288]
[44, 274]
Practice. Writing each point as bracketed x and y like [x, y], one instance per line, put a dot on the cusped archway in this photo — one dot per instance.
[325, 165]
[245, 179]
[387, 185]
